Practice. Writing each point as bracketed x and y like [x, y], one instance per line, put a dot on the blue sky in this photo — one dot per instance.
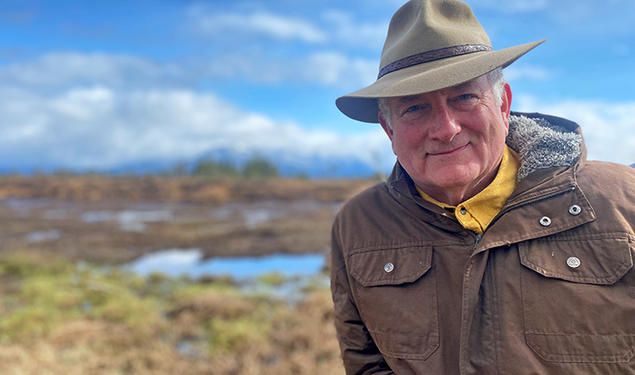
[98, 84]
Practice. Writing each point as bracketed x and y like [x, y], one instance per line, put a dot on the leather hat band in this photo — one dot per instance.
[433, 55]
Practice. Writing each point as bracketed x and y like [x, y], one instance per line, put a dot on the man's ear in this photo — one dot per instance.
[506, 104]
[384, 124]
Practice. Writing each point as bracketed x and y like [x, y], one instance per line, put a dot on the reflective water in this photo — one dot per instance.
[189, 262]
[43, 235]
[129, 220]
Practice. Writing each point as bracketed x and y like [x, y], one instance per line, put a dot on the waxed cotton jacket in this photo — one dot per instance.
[548, 288]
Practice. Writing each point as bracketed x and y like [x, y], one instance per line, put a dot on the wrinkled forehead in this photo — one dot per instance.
[480, 84]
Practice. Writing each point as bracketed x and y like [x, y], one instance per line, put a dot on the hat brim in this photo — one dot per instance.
[361, 105]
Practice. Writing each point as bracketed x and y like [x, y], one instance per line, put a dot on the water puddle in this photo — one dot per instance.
[253, 214]
[189, 262]
[129, 220]
[43, 236]
[284, 276]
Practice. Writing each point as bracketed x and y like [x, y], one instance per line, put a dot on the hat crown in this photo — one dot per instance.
[428, 25]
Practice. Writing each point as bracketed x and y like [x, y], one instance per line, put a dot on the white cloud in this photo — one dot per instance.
[326, 68]
[257, 22]
[608, 127]
[516, 6]
[50, 71]
[83, 104]
[101, 127]
[337, 27]
[367, 35]
[59, 68]
[527, 72]
[335, 69]
[99, 110]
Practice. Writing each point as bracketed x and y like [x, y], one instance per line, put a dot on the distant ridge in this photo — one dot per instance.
[310, 165]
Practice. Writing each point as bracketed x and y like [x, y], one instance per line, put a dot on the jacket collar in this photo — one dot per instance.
[543, 142]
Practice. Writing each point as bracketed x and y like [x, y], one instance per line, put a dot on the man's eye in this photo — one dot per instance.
[413, 108]
[465, 97]
[464, 101]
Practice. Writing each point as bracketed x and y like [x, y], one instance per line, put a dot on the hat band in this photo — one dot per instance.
[428, 56]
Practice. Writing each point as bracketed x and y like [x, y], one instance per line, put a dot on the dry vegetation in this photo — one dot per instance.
[58, 318]
[93, 215]
[190, 189]
[67, 308]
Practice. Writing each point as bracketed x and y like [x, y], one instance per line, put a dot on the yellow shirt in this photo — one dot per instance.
[478, 212]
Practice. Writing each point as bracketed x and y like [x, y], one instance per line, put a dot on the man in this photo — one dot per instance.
[494, 247]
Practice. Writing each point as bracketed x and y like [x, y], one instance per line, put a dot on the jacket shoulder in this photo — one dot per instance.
[610, 189]
[607, 177]
[363, 201]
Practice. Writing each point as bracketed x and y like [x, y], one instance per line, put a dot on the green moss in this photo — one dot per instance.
[26, 264]
[138, 314]
[235, 335]
[193, 289]
[27, 323]
[272, 279]
[51, 293]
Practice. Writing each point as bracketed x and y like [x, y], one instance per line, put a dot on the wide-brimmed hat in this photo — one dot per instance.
[431, 45]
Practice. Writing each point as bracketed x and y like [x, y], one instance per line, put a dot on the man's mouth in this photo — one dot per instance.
[448, 152]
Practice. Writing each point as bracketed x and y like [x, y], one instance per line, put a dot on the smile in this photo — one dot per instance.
[458, 149]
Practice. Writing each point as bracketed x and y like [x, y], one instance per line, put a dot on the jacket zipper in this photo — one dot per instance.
[477, 240]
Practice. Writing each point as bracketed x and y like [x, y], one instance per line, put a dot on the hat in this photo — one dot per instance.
[431, 45]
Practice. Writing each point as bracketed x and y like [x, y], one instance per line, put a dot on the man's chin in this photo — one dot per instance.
[448, 180]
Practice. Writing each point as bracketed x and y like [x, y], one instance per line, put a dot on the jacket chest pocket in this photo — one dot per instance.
[578, 299]
[397, 299]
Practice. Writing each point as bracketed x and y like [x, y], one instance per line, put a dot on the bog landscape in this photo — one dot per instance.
[167, 274]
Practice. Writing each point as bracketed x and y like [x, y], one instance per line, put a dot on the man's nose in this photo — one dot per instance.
[445, 126]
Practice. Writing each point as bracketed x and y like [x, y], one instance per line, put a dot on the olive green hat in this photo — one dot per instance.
[431, 45]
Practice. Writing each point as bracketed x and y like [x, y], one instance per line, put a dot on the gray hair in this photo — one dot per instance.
[496, 81]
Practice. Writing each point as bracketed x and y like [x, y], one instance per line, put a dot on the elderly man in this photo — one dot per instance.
[494, 247]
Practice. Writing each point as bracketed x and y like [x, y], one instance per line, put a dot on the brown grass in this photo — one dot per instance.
[60, 318]
[175, 189]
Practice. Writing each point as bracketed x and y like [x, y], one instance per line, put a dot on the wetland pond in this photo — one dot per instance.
[284, 276]
[189, 262]
[73, 228]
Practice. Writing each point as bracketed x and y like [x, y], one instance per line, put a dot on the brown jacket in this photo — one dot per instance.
[549, 288]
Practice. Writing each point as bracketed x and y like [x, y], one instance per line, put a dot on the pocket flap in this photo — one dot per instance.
[598, 260]
[390, 266]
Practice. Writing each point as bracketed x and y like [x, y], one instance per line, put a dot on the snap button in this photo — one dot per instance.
[463, 211]
[573, 262]
[545, 221]
[389, 267]
[575, 210]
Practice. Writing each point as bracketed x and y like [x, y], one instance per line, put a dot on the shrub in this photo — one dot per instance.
[259, 167]
[214, 169]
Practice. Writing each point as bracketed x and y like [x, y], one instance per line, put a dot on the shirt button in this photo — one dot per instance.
[545, 221]
[575, 210]
[463, 211]
[573, 262]
[389, 267]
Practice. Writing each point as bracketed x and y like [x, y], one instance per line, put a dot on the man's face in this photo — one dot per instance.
[450, 141]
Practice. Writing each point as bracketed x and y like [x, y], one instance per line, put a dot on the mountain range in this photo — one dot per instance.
[288, 165]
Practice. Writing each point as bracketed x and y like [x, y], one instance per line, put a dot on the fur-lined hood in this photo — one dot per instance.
[543, 141]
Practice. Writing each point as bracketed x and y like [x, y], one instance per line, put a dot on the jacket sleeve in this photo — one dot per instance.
[359, 352]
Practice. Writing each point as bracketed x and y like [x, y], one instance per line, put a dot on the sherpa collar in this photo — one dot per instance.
[542, 143]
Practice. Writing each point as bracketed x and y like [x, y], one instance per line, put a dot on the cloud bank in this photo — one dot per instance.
[94, 111]
[101, 118]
